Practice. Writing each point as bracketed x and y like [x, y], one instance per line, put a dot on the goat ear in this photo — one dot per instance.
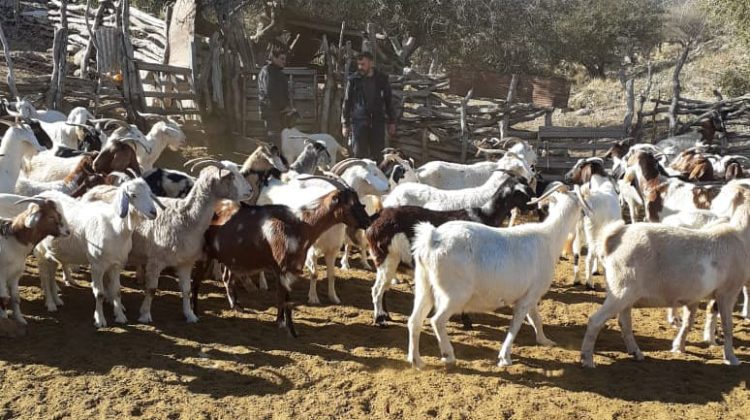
[122, 203]
[33, 217]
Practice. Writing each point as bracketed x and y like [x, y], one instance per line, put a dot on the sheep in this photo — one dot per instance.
[392, 230]
[601, 195]
[73, 181]
[169, 183]
[18, 236]
[653, 265]
[293, 142]
[175, 237]
[278, 239]
[469, 267]
[101, 237]
[17, 143]
[439, 199]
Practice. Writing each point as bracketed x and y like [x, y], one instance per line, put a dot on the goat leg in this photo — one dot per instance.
[466, 320]
[199, 273]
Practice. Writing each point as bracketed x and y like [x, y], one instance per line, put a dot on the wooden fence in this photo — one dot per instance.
[167, 90]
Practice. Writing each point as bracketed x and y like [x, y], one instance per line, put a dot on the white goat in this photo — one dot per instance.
[411, 194]
[601, 194]
[101, 237]
[17, 143]
[163, 134]
[25, 109]
[469, 267]
[654, 265]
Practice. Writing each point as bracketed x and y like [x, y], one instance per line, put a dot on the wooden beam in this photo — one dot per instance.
[330, 29]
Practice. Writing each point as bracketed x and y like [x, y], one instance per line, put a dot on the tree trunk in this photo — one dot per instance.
[627, 84]
[644, 94]
[9, 61]
[508, 102]
[677, 89]
[325, 110]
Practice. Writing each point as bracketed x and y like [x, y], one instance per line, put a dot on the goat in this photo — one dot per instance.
[364, 177]
[278, 239]
[102, 225]
[429, 197]
[693, 166]
[18, 236]
[664, 196]
[71, 183]
[601, 195]
[119, 154]
[313, 156]
[519, 147]
[25, 109]
[169, 183]
[293, 142]
[391, 232]
[175, 237]
[469, 267]
[41, 136]
[661, 266]
[17, 143]
[163, 134]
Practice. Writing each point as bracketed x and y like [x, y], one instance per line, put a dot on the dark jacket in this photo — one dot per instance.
[273, 91]
[355, 101]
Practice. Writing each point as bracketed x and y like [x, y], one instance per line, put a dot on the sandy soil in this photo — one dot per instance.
[233, 365]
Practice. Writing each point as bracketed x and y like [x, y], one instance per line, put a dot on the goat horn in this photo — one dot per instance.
[345, 164]
[196, 160]
[8, 123]
[594, 159]
[551, 189]
[205, 163]
[339, 184]
[491, 151]
[157, 201]
[35, 199]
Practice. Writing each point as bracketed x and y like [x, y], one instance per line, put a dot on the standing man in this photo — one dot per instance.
[367, 109]
[273, 93]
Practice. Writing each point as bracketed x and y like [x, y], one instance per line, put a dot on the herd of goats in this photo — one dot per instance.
[79, 191]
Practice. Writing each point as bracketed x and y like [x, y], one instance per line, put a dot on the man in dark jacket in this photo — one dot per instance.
[273, 93]
[367, 109]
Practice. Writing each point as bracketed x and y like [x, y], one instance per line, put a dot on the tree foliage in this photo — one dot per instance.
[733, 15]
[532, 36]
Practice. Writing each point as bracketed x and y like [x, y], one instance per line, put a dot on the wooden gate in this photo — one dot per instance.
[561, 147]
[303, 90]
[168, 90]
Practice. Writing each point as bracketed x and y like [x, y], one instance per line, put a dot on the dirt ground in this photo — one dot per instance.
[239, 365]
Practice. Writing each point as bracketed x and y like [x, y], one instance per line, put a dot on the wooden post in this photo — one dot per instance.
[325, 109]
[643, 96]
[370, 42]
[59, 60]
[627, 84]
[9, 61]
[508, 102]
[425, 150]
[464, 125]
[677, 89]
[548, 117]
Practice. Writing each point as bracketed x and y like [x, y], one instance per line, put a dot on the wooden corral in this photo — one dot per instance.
[561, 147]
[540, 91]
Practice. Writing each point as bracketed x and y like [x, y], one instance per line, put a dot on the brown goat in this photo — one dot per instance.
[694, 166]
[276, 239]
[18, 236]
[117, 156]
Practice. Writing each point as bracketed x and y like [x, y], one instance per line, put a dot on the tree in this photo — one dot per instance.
[599, 34]
[732, 14]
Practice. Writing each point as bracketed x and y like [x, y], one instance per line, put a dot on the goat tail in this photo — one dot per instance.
[425, 239]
